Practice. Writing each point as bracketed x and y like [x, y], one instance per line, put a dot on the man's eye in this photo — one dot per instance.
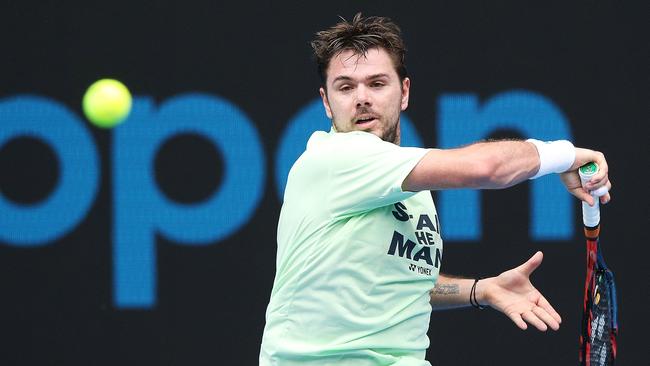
[377, 84]
[345, 88]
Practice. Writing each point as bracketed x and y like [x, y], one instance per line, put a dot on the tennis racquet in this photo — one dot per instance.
[599, 323]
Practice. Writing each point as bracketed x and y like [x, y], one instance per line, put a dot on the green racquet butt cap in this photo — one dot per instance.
[589, 168]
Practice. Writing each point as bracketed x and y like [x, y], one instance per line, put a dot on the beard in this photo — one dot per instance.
[391, 134]
[389, 131]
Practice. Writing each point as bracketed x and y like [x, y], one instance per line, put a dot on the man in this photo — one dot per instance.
[359, 245]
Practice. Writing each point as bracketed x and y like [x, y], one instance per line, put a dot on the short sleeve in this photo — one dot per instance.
[365, 172]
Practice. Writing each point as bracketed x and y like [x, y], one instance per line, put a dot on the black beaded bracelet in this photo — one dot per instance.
[472, 296]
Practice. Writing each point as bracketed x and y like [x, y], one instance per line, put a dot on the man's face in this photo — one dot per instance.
[364, 93]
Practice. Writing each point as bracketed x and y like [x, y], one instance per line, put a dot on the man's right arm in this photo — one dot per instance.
[497, 164]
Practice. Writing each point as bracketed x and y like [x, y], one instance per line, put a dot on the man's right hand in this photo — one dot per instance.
[571, 179]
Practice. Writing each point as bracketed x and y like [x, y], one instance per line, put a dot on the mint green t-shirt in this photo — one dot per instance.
[357, 257]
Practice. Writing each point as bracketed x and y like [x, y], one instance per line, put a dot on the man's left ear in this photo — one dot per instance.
[326, 103]
[406, 86]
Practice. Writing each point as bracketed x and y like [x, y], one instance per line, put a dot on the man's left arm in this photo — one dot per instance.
[511, 293]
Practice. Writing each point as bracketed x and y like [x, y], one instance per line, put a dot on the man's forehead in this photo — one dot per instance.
[354, 65]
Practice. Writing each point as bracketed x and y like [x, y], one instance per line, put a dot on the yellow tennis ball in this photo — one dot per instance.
[107, 103]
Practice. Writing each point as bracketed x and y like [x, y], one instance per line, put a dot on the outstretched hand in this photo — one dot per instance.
[512, 293]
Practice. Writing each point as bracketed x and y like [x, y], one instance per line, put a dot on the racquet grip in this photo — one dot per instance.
[591, 214]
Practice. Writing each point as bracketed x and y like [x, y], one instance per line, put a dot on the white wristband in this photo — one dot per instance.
[554, 156]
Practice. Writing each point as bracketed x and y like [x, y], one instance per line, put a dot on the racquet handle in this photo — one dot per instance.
[591, 214]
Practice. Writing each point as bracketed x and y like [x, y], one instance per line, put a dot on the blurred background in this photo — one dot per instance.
[154, 242]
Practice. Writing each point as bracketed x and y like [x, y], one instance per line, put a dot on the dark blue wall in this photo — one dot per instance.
[124, 270]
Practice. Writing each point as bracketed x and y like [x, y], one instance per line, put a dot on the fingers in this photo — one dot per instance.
[599, 188]
[545, 317]
[544, 304]
[583, 195]
[598, 183]
[537, 317]
[531, 318]
[516, 318]
[602, 192]
[599, 159]
[605, 199]
[601, 178]
[571, 181]
[584, 156]
[531, 264]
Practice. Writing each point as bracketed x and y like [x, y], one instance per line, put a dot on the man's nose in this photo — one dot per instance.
[363, 96]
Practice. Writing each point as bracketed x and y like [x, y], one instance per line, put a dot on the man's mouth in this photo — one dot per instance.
[364, 120]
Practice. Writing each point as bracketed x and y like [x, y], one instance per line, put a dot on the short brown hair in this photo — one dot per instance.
[360, 35]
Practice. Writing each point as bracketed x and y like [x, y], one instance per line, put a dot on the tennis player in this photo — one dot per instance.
[359, 244]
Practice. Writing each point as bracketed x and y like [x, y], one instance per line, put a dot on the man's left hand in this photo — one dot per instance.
[513, 294]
